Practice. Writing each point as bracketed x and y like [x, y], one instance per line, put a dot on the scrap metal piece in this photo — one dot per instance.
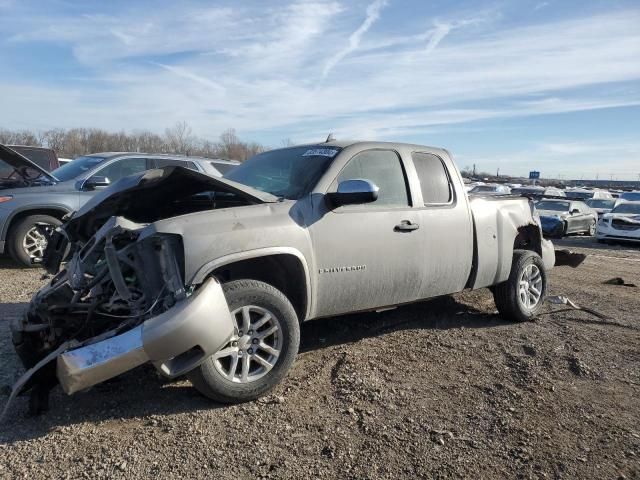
[569, 258]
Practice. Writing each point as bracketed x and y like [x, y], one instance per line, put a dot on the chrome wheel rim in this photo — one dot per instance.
[592, 229]
[34, 242]
[254, 348]
[530, 286]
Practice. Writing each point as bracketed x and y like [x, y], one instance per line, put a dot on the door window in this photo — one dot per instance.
[434, 181]
[123, 168]
[384, 168]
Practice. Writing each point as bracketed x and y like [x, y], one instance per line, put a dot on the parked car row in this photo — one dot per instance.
[33, 201]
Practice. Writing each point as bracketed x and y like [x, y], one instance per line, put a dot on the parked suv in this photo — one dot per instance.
[33, 201]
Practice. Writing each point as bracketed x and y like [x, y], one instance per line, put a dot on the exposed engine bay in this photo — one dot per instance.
[118, 289]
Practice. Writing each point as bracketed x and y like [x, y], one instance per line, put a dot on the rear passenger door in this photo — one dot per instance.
[446, 249]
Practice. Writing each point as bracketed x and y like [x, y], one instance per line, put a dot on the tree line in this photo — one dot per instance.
[179, 139]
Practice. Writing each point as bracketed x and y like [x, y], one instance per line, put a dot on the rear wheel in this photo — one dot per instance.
[28, 238]
[261, 351]
[520, 298]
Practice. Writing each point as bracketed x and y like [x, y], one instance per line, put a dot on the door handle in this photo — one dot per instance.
[406, 226]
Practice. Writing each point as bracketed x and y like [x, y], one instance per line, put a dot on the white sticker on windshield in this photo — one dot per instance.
[322, 152]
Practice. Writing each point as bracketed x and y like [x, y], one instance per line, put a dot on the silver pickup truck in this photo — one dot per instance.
[212, 277]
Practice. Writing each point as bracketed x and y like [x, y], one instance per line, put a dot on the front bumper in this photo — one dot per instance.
[176, 341]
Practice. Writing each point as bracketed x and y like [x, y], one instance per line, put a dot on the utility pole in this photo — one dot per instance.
[498, 173]
[474, 169]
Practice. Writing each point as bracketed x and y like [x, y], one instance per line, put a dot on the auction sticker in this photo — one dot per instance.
[320, 152]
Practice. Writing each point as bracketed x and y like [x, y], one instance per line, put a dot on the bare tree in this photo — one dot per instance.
[179, 138]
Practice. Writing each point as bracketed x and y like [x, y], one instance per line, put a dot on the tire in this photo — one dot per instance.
[43, 225]
[212, 377]
[592, 229]
[507, 295]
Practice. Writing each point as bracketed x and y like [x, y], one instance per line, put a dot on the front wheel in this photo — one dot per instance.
[261, 350]
[592, 228]
[520, 298]
[28, 239]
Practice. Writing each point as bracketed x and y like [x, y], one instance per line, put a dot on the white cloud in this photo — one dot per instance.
[373, 13]
[260, 69]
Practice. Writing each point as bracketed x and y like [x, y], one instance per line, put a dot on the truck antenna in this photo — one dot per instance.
[330, 138]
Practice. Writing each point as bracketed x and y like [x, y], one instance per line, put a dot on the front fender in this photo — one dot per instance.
[205, 270]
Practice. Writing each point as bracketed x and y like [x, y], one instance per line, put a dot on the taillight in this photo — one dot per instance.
[5, 198]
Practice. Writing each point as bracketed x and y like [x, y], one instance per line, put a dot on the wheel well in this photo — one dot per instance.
[54, 212]
[285, 272]
[528, 238]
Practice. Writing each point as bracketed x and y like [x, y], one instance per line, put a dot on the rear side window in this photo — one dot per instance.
[434, 181]
[383, 168]
[223, 167]
[171, 162]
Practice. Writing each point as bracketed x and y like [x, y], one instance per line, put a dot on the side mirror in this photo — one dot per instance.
[574, 211]
[352, 192]
[95, 182]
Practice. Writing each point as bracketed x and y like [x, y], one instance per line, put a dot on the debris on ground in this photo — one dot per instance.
[618, 281]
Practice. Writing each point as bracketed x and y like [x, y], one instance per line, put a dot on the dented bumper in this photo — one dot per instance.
[176, 341]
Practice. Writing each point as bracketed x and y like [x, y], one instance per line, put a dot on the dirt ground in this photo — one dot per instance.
[440, 389]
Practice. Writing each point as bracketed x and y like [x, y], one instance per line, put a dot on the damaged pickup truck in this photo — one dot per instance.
[212, 277]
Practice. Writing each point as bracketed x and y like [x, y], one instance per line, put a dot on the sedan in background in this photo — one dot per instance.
[621, 224]
[601, 206]
[563, 217]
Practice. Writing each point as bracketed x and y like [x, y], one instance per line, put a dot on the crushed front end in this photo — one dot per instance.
[118, 302]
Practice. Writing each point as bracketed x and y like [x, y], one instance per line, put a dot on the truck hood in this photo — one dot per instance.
[21, 166]
[141, 196]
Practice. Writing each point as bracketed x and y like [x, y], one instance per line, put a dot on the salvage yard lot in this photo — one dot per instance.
[441, 388]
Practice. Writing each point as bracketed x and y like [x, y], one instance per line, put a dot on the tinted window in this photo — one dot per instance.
[383, 168]
[434, 181]
[123, 168]
[223, 167]
[76, 168]
[171, 162]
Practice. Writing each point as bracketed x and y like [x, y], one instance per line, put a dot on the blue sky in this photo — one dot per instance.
[516, 85]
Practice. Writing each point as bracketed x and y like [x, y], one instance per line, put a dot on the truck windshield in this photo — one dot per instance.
[555, 206]
[288, 172]
[77, 167]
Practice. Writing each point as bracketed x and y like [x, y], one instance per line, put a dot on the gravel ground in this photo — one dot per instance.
[439, 389]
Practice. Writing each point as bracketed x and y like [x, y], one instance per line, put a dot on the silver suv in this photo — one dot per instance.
[33, 201]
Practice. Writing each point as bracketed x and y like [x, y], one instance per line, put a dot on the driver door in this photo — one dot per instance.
[365, 254]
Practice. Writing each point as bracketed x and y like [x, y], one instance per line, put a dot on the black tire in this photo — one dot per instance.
[210, 382]
[20, 230]
[507, 294]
